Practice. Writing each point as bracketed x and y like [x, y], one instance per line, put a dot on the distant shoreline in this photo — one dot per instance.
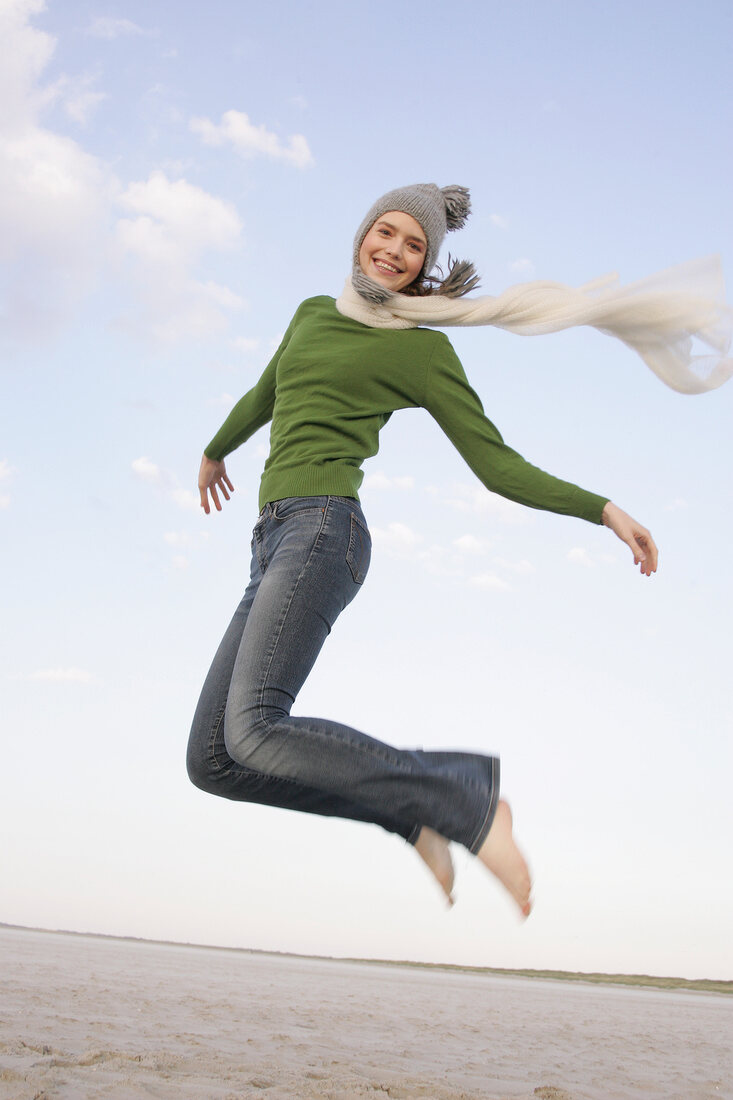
[701, 985]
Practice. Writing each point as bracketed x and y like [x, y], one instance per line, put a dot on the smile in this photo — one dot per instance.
[390, 269]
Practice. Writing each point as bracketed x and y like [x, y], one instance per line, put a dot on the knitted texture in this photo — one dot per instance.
[438, 210]
[333, 384]
[658, 317]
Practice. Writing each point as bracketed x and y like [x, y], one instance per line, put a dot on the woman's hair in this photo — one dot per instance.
[461, 279]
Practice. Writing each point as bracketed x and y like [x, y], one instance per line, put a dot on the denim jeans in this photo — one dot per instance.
[310, 556]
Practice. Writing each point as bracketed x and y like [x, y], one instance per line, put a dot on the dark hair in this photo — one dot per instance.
[461, 279]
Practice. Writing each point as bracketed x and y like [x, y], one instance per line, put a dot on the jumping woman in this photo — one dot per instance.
[343, 368]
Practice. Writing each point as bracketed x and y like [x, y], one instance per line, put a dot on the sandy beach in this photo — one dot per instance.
[91, 1017]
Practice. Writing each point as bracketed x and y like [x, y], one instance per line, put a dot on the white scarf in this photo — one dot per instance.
[657, 317]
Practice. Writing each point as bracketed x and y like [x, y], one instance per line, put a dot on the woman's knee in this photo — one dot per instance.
[248, 737]
[206, 757]
[199, 774]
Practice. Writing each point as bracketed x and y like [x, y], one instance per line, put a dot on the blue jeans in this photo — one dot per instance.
[310, 556]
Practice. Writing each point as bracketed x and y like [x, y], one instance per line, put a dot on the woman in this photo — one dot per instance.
[338, 375]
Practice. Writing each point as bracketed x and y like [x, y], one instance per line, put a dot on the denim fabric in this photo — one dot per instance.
[310, 556]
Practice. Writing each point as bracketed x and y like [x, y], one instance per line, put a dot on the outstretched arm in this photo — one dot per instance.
[250, 413]
[457, 408]
[634, 535]
[213, 476]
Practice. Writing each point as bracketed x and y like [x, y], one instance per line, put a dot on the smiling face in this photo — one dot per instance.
[393, 251]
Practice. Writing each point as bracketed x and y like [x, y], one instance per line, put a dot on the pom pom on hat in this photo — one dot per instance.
[457, 206]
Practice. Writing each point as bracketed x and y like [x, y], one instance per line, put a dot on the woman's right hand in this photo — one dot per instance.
[213, 476]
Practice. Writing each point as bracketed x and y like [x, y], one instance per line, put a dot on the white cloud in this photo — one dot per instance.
[52, 193]
[175, 222]
[77, 96]
[676, 505]
[489, 581]
[24, 53]
[226, 400]
[580, 556]
[203, 311]
[186, 498]
[61, 235]
[80, 104]
[105, 26]
[249, 140]
[6, 470]
[523, 266]
[180, 542]
[147, 470]
[185, 309]
[62, 675]
[54, 197]
[380, 480]
[4, 500]
[472, 546]
[221, 295]
[400, 541]
[498, 221]
[245, 344]
[469, 544]
[397, 539]
[479, 501]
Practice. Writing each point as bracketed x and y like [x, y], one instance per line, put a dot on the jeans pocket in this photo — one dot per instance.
[359, 552]
[297, 506]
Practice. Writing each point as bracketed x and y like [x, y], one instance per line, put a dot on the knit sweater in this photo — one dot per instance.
[331, 387]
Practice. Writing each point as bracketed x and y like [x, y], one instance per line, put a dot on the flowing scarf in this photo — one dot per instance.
[676, 320]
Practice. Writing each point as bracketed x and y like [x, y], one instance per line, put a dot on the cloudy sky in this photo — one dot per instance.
[174, 180]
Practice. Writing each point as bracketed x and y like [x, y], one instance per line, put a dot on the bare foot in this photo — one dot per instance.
[434, 850]
[502, 857]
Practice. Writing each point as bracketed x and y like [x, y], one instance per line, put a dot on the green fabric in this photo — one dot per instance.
[332, 385]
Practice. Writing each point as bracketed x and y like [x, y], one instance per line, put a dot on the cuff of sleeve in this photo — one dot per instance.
[601, 504]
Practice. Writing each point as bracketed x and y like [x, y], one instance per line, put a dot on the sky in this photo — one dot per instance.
[174, 180]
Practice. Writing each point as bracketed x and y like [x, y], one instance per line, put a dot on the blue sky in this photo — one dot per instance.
[173, 182]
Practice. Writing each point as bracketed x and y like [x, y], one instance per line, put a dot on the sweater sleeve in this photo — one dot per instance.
[253, 410]
[456, 407]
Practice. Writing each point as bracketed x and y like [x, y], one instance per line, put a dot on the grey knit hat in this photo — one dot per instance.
[439, 210]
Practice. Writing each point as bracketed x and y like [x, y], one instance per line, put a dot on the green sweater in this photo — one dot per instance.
[332, 385]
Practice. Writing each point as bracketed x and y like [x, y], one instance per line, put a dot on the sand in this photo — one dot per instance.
[84, 1017]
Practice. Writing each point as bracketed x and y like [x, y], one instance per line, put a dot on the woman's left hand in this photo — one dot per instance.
[634, 535]
[213, 476]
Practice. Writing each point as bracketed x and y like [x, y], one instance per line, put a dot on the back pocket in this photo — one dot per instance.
[359, 553]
